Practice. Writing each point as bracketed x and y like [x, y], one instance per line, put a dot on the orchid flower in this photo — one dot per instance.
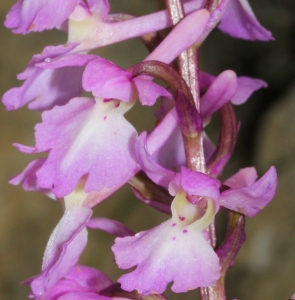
[182, 239]
[84, 125]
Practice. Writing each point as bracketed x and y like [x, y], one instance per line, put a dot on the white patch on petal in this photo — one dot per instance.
[174, 251]
[101, 123]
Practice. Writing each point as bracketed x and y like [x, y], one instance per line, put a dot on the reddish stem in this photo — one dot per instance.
[188, 69]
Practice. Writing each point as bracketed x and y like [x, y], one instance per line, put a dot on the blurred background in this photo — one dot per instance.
[265, 267]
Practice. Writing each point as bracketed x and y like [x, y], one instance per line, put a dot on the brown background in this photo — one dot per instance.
[265, 267]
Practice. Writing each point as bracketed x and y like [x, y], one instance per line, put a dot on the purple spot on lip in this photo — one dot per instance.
[174, 224]
[184, 231]
[181, 218]
[104, 117]
[117, 105]
[106, 100]
[174, 238]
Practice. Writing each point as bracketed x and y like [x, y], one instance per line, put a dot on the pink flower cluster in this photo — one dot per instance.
[92, 150]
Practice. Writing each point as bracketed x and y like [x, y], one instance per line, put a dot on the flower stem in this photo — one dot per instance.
[212, 4]
[194, 150]
[188, 69]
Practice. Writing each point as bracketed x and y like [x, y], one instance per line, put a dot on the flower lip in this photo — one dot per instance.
[185, 214]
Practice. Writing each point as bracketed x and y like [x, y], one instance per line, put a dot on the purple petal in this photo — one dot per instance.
[175, 147]
[106, 80]
[64, 247]
[239, 21]
[246, 86]
[174, 144]
[100, 33]
[45, 88]
[100, 8]
[111, 226]
[243, 178]
[32, 15]
[220, 91]
[209, 147]
[195, 264]
[25, 149]
[195, 183]
[153, 170]
[251, 199]
[29, 179]
[90, 279]
[182, 36]
[161, 133]
[86, 137]
[148, 91]
[60, 288]
[66, 60]
[206, 80]
[82, 295]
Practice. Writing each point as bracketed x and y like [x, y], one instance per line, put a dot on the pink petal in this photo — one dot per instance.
[182, 36]
[206, 80]
[239, 21]
[90, 279]
[103, 33]
[86, 137]
[82, 295]
[60, 288]
[64, 247]
[29, 179]
[31, 15]
[243, 178]
[153, 170]
[111, 226]
[195, 183]
[161, 133]
[175, 147]
[251, 199]
[246, 86]
[163, 254]
[100, 8]
[45, 88]
[25, 149]
[220, 92]
[148, 91]
[106, 80]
